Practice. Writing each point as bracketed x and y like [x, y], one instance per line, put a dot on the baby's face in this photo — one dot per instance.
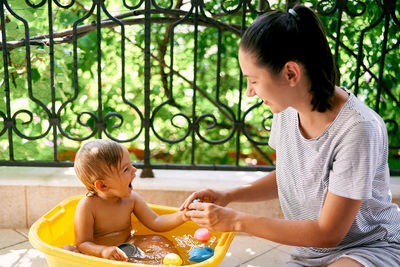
[120, 179]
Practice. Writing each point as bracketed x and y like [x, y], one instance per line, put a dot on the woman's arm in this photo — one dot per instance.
[84, 225]
[336, 218]
[155, 222]
[264, 188]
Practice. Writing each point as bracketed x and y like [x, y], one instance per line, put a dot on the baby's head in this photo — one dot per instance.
[95, 160]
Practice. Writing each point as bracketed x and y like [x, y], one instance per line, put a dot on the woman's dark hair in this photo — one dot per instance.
[278, 37]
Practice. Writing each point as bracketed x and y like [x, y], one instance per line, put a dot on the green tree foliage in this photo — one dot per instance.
[171, 107]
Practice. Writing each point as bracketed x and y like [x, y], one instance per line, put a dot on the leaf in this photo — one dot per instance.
[35, 74]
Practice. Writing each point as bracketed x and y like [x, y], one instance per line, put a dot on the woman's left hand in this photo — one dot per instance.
[213, 217]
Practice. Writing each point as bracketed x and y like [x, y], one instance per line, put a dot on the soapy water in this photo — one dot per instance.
[151, 255]
[185, 243]
[150, 249]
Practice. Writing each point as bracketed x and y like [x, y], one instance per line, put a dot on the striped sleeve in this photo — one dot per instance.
[272, 142]
[355, 162]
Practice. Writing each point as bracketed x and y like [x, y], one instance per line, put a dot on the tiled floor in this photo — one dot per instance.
[245, 251]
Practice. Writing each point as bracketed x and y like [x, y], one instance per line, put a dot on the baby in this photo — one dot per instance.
[103, 217]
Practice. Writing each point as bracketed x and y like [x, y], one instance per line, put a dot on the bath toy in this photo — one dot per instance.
[199, 254]
[204, 200]
[172, 259]
[195, 201]
[202, 234]
[129, 249]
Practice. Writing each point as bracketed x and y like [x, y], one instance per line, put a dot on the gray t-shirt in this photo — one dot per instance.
[350, 160]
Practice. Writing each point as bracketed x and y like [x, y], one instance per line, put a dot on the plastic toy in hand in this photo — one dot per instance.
[195, 201]
[199, 254]
[203, 200]
[202, 234]
[129, 249]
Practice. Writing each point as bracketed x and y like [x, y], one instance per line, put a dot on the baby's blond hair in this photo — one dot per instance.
[95, 160]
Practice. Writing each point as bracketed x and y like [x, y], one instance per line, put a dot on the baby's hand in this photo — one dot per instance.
[183, 215]
[114, 253]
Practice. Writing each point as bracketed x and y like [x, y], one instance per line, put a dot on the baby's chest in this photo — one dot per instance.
[113, 218]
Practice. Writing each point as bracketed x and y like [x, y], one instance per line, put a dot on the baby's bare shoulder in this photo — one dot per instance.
[136, 197]
[133, 196]
[88, 203]
[132, 199]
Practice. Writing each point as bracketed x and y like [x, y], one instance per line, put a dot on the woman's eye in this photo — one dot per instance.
[126, 169]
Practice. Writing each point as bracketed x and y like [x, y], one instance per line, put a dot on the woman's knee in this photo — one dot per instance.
[346, 262]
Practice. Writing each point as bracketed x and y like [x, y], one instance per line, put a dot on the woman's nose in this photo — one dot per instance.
[250, 91]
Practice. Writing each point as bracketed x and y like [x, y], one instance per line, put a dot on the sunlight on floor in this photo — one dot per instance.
[21, 257]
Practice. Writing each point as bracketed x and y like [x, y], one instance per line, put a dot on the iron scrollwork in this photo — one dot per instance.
[232, 121]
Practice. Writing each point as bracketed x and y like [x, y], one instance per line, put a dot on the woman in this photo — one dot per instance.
[332, 176]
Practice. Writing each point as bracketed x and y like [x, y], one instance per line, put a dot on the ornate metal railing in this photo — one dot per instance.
[183, 89]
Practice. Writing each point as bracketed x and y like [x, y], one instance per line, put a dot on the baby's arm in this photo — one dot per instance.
[158, 223]
[84, 225]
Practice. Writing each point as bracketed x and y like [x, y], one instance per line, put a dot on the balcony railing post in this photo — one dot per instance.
[147, 171]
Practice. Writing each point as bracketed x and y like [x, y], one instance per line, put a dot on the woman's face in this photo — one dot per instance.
[271, 88]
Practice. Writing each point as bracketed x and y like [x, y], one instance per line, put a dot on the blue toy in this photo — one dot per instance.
[199, 254]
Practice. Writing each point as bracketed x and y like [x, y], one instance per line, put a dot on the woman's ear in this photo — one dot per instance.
[292, 72]
[100, 186]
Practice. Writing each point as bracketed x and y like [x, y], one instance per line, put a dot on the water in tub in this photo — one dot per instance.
[151, 249]
[154, 252]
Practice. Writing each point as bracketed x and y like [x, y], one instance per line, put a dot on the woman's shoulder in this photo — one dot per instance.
[355, 112]
[289, 114]
[357, 121]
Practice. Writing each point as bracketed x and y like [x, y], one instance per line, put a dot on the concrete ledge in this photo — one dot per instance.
[29, 192]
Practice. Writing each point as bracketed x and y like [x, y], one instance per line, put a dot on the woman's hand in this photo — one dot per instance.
[113, 253]
[214, 217]
[209, 196]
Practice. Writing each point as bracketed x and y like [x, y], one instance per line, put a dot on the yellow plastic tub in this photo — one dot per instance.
[56, 229]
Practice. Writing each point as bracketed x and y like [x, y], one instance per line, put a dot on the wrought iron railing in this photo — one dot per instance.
[183, 89]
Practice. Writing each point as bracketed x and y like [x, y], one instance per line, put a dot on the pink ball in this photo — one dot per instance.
[202, 234]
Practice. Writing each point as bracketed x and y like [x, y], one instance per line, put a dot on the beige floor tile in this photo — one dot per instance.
[22, 255]
[23, 231]
[267, 242]
[244, 248]
[229, 262]
[9, 237]
[285, 248]
[272, 258]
